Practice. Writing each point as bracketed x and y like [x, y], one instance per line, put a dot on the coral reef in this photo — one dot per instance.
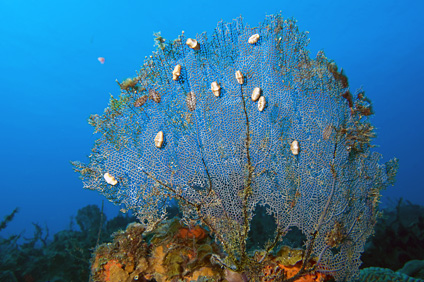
[173, 252]
[66, 257]
[398, 238]
[377, 274]
[244, 119]
[413, 268]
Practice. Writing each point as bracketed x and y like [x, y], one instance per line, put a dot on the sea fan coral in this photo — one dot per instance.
[302, 150]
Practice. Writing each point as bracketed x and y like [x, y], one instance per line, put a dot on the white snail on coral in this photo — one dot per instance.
[256, 93]
[294, 147]
[253, 39]
[159, 139]
[193, 44]
[239, 77]
[110, 179]
[261, 103]
[176, 72]
[216, 89]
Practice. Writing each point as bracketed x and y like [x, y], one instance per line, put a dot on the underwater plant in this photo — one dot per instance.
[242, 120]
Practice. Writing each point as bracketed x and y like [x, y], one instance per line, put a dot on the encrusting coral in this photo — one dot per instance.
[174, 252]
[377, 274]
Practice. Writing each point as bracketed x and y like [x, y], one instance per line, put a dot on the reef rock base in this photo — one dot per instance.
[174, 252]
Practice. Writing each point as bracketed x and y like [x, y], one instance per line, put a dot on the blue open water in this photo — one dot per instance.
[51, 81]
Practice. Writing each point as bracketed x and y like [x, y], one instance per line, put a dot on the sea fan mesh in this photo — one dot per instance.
[222, 157]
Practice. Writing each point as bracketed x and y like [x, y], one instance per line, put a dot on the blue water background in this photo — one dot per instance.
[51, 81]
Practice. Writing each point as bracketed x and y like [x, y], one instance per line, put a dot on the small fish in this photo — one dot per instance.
[101, 60]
